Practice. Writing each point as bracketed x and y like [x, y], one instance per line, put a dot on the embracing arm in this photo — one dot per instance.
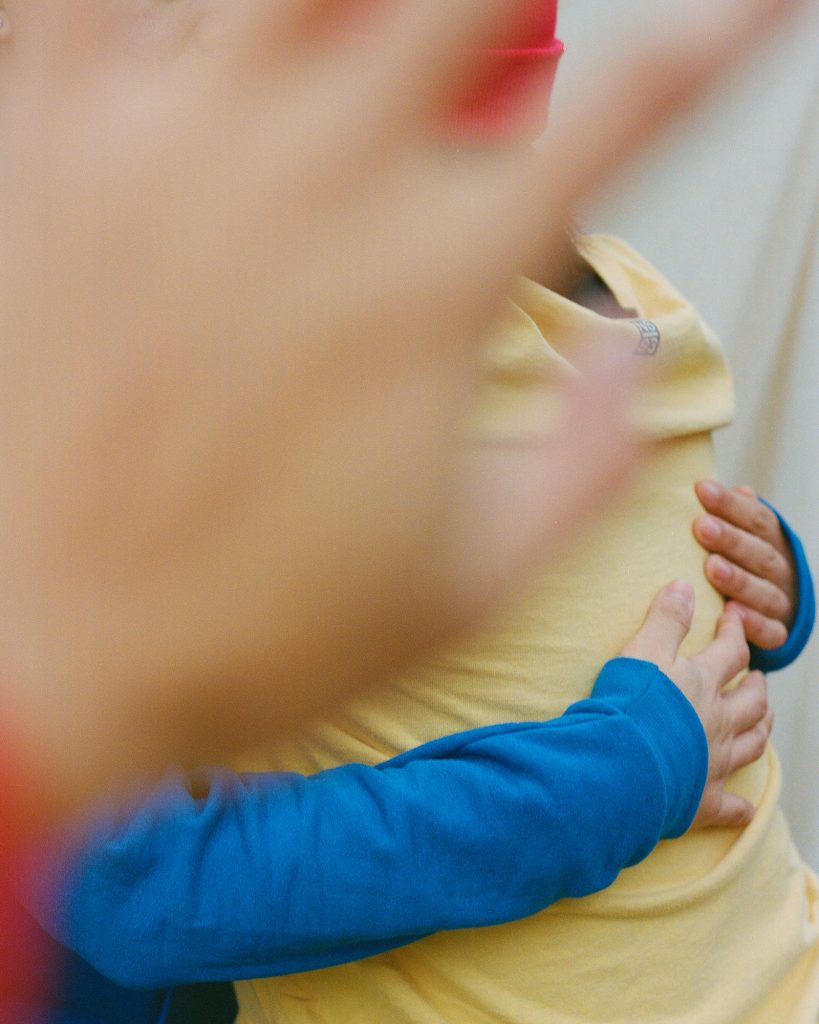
[276, 873]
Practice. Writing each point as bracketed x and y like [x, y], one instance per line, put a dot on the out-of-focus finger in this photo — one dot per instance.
[760, 630]
[428, 51]
[262, 30]
[744, 549]
[727, 654]
[665, 626]
[433, 57]
[523, 495]
[628, 104]
[70, 37]
[761, 595]
[404, 58]
[750, 745]
[739, 508]
[747, 705]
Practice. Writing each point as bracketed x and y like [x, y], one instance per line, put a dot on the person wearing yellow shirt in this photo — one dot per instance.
[458, 977]
[718, 927]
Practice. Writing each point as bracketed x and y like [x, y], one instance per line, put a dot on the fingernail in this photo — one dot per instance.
[709, 528]
[710, 489]
[683, 594]
[719, 568]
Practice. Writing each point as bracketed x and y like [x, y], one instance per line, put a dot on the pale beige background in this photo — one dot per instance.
[729, 210]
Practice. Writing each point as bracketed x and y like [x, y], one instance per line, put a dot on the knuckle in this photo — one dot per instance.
[740, 582]
[771, 562]
[731, 507]
[760, 706]
[760, 523]
[731, 540]
[673, 610]
[679, 616]
[778, 605]
[759, 744]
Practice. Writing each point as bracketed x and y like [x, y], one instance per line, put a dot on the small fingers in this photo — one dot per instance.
[727, 654]
[750, 745]
[761, 631]
[744, 549]
[665, 626]
[740, 507]
[747, 705]
[759, 594]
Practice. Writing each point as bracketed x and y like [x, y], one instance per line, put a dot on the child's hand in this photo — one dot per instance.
[737, 723]
[750, 560]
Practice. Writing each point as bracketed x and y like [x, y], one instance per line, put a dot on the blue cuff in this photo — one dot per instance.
[800, 631]
[671, 727]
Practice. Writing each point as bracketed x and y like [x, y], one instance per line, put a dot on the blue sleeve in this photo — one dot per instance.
[269, 874]
[802, 626]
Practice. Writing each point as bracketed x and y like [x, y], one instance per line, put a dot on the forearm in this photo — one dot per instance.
[272, 874]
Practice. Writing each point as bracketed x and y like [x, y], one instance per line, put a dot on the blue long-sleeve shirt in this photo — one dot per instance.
[274, 873]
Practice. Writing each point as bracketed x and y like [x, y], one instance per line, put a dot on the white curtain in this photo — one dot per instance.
[728, 208]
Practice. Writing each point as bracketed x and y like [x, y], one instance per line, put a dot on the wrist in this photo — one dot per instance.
[670, 726]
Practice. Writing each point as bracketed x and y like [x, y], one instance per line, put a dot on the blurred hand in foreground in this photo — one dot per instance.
[244, 287]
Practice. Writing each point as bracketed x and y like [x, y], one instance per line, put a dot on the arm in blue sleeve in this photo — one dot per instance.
[276, 873]
[802, 626]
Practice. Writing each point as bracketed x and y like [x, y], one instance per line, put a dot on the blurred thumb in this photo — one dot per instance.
[665, 626]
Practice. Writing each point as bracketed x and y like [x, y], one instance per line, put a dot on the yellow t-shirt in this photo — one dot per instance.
[719, 927]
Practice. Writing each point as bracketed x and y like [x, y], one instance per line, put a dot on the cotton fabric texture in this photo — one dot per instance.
[720, 927]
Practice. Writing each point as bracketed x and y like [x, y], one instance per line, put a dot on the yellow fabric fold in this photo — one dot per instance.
[720, 927]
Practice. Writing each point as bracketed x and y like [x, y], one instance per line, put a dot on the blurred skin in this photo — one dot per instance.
[243, 294]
